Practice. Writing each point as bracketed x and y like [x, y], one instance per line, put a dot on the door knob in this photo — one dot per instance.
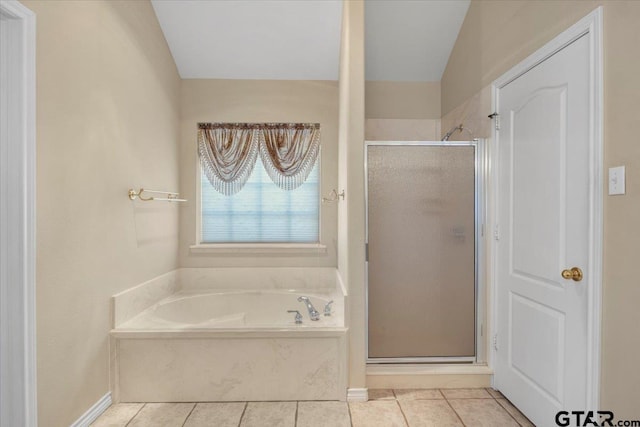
[575, 274]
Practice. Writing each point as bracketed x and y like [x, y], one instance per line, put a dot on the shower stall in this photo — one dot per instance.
[424, 234]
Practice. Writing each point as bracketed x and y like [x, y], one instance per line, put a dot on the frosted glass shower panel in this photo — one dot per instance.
[421, 234]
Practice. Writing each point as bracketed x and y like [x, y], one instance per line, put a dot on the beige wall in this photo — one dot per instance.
[257, 101]
[498, 34]
[351, 256]
[107, 120]
[402, 130]
[402, 100]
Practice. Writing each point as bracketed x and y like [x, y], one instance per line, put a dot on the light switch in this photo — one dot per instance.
[616, 180]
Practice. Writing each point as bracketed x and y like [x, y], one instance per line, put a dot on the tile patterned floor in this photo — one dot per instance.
[386, 408]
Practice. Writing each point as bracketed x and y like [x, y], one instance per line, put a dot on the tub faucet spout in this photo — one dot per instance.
[313, 313]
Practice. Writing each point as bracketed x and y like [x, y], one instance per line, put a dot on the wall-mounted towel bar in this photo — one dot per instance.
[169, 196]
[333, 196]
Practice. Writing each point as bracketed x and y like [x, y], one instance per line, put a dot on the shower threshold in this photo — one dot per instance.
[433, 360]
[429, 375]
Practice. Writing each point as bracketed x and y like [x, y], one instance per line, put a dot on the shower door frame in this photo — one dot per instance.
[481, 170]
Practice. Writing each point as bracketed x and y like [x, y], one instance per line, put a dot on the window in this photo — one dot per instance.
[261, 212]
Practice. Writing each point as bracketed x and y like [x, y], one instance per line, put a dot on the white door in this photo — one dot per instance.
[17, 215]
[543, 229]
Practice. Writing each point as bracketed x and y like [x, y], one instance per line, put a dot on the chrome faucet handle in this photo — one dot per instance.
[327, 308]
[298, 316]
[313, 313]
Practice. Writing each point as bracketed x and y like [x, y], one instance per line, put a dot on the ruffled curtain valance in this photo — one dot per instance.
[228, 153]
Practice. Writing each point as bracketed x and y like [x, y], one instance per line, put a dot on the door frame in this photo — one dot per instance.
[591, 27]
[480, 206]
[17, 239]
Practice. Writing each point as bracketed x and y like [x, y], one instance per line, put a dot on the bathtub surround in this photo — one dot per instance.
[238, 310]
[230, 367]
[225, 335]
[186, 283]
[269, 278]
[132, 302]
[129, 303]
[107, 120]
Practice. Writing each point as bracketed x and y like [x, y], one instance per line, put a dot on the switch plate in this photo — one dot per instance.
[616, 180]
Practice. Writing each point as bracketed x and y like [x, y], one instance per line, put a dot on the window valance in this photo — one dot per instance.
[228, 152]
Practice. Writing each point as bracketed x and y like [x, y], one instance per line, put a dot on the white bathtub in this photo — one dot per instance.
[238, 309]
[191, 336]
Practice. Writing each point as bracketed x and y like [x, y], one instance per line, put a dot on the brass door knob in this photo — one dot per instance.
[575, 274]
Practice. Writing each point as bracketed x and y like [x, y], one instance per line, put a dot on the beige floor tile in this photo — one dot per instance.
[495, 394]
[465, 393]
[118, 415]
[381, 394]
[216, 414]
[269, 414]
[376, 413]
[429, 413]
[323, 414]
[162, 415]
[515, 413]
[418, 394]
[482, 413]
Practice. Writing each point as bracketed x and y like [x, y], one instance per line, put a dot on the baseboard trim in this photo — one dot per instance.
[94, 412]
[357, 395]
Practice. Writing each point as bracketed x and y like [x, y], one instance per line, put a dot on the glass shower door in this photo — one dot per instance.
[421, 232]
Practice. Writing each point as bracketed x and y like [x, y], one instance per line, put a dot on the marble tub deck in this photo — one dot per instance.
[385, 408]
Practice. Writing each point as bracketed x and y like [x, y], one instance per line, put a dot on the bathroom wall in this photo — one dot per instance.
[495, 36]
[402, 111]
[209, 100]
[402, 100]
[402, 130]
[107, 120]
[351, 256]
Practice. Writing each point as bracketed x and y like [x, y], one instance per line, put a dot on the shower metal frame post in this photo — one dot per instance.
[481, 165]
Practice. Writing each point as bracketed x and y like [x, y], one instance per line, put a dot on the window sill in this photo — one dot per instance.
[300, 249]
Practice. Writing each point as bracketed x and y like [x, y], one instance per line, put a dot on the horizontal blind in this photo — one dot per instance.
[261, 212]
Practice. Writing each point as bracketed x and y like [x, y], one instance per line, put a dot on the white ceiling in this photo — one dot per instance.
[406, 40]
[411, 40]
[253, 39]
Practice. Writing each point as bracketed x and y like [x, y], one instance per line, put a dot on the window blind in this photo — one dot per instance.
[261, 212]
